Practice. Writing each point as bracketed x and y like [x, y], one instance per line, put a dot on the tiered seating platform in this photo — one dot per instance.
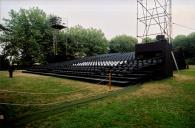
[125, 69]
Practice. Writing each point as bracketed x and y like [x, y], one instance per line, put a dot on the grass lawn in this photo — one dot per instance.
[167, 103]
[40, 90]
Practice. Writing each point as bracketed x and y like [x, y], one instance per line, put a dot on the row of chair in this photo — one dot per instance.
[122, 66]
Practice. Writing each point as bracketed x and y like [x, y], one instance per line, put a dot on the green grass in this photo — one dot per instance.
[28, 83]
[190, 71]
[23, 82]
[167, 103]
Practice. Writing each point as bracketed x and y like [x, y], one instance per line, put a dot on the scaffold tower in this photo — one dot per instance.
[154, 17]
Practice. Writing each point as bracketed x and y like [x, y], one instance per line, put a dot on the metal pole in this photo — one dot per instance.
[0, 10]
[170, 21]
[56, 45]
[54, 39]
[146, 20]
[170, 32]
[66, 42]
[137, 21]
[110, 81]
[66, 36]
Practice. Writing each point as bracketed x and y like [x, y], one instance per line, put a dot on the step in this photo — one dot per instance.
[88, 79]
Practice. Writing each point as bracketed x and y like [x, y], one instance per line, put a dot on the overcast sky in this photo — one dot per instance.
[113, 17]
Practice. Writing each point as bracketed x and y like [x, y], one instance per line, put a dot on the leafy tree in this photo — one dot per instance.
[84, 42]
[191, 43]
[180, 41]
[55, 20]
[3, 62]
[30, 37]
[148, 40]
[187, 43]
[191, 47]
[96, 42]
[122, 43]
[2, 28]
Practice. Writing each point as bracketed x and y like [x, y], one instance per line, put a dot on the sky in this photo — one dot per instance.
[113, 17]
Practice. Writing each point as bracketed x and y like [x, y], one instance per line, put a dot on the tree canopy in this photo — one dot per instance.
[86, 42]
[30, 35]
[180, 41]
[187, 43]
[122, 43]
[148, 40]
[31, 38]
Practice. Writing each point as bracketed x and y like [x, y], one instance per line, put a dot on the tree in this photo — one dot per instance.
[2, 28]
[191, 41]
[148, 40]
[96, 42]
[187, 43]
[122, 43]
[83, 42]
[55, 20]
[3, 62]
[191, 45]
[180, 41]
[30, 37]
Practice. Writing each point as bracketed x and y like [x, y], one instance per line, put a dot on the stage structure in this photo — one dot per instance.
[154, 18]
[150, 61]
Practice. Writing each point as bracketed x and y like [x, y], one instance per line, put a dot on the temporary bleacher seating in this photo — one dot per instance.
[149, 61]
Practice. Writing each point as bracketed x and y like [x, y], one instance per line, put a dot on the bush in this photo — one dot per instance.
[191, 61]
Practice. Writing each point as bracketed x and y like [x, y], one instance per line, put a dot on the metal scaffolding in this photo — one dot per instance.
[154, 18]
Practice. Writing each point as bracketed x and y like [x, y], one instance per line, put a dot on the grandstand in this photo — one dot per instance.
[149, 61]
